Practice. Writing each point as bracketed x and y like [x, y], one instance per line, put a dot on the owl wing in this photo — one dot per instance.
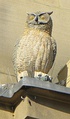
[14, 54]
[54, 45]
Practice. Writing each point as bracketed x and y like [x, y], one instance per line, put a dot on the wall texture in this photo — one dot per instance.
[12, 21]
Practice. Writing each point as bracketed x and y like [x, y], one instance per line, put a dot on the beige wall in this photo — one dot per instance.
[40, 108]
[12, 20]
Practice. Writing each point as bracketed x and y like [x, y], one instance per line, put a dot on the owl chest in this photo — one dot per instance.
[34, 39]
[33, 45]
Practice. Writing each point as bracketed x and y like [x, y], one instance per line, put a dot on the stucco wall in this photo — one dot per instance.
[12, 20]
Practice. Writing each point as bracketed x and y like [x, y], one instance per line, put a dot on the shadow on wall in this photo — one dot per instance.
[53, 105]
[62, 75]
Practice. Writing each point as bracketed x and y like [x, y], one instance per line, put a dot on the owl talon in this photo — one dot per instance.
[45, 78]
[21, 77]
[48, 78]
[39, 76]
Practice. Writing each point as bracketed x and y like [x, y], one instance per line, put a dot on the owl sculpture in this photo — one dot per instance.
[36, 50]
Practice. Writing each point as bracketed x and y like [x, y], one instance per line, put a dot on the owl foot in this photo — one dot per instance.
[45, 77]
[21, 75]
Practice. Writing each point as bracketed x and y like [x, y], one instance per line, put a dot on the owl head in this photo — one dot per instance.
[40, 20]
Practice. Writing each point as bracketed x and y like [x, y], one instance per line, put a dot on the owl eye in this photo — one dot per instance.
[42, 17]
[31, 17]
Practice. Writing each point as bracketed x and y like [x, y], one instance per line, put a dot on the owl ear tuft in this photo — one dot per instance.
[27, 13]
[50, 13]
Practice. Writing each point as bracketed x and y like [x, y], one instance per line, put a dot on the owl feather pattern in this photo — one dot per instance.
[36, 50]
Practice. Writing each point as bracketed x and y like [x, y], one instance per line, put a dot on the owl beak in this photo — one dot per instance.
[36, 19]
